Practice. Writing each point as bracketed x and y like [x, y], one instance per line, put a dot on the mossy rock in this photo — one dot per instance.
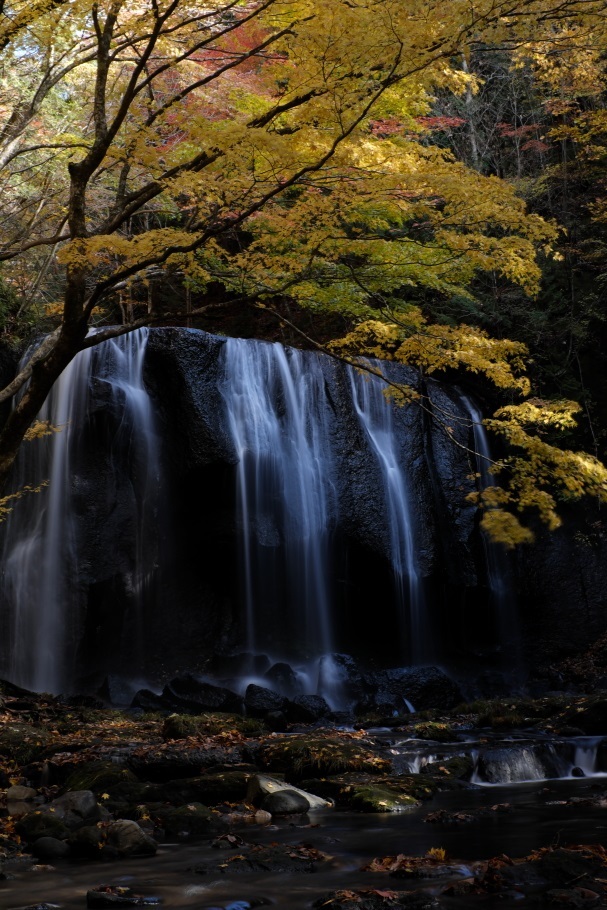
[99, 776]
[124, 795]
[189, 821]
[501, 720]
[23, 743]
[139, 812]
[130, 790]
[180, 726]
[41, 824]
[458, 768]
[436, 732]
[376, 798]
[209, 789]
[367, 793]
[304, 756]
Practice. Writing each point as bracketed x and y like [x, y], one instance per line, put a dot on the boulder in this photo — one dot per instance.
[285, 802]
[192, 820]
[34, 825]
[18, 793]
[50, 848]
[209, 789]
[180, 759]
[194, 695]
[307, 709]
[422, 687]
[76, 808]
[307, 755]
[99, 776]
[283, 678]
[126, 838]
[120, 838]
[146, 700]
[368, 793]
[261, 786]
[182, 726]
[267, 858]
[259, 701]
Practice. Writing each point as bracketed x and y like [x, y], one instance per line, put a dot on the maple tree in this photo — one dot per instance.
[274, 147]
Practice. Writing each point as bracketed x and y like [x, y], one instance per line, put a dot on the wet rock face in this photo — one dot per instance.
[562, 582]
[421, 687]
[184, 374]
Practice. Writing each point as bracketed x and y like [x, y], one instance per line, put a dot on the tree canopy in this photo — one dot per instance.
[304, 150]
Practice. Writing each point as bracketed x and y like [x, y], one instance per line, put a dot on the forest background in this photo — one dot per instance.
[406, 179]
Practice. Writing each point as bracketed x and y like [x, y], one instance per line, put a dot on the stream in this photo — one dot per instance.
[544, 812]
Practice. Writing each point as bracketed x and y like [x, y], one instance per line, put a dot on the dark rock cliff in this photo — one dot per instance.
[193, 605]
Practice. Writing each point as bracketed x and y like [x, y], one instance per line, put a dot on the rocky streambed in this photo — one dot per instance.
[490, 803]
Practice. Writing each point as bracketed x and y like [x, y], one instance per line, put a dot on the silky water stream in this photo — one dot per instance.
[538, 814]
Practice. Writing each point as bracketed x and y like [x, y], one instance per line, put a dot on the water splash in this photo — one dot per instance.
[41, 550]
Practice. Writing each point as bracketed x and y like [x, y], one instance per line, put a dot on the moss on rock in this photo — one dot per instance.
[35, 825]
[302, 756]
[367, 793]
[181, 726]
[23, 743]
[187, 821]
[99, 776]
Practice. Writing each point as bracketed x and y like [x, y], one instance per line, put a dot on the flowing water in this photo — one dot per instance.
[535, 815]
[501, 595]
[41, 556]
[280, 424]
[283, 410]
[375, 414]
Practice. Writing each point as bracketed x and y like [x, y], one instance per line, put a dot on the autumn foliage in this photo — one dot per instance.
[292, 149]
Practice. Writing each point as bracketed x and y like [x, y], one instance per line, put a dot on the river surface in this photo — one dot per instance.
[539, 816]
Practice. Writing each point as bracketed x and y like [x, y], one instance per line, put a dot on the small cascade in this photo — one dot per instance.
[41, 549]
[280, 423]
[586, 757]
[498, 572]
[513, 765]
[375, 414]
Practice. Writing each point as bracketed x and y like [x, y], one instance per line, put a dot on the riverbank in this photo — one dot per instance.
[489, 803]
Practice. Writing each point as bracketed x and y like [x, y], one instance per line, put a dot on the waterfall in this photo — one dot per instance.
[498, 571]
[280, 422]
[375, 415]
[42, 560]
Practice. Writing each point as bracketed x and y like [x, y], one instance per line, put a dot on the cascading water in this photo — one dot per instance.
[280, 422]
[375, 415]
[41, 556]
[498, 572]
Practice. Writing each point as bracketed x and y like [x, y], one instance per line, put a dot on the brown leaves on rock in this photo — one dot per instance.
[443, 817]
[269, 858]
[414, 866]
[322, 753]
[374, 899]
